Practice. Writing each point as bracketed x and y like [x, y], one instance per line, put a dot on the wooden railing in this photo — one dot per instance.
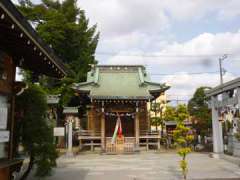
[93, 139]
[149, 133]
[150, 138]
[122, 145]
[88, 133]
[89, 138]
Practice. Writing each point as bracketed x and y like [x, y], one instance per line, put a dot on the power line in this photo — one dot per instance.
[177, 95]
[159, 55]
[183, 73]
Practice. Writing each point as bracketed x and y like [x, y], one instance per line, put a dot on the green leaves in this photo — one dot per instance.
[198, 109]
[169, 114]
[184, 167]
[156, 121]
[66, 28]
[35, 130]
[184, 151]
[183, 137]
[179, 113]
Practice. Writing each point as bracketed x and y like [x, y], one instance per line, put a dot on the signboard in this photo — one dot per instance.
[58, 131]
[4, 136]
[3, 117]
[53, 99]
[70, 110]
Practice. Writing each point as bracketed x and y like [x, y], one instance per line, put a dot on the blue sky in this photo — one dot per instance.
[175, 37]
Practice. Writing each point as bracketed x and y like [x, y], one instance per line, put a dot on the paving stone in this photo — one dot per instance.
[143, 166]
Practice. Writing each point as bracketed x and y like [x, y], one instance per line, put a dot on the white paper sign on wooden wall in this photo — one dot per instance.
[4, 136]
[3, 117]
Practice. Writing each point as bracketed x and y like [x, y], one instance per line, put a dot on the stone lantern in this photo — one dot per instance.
[70, 113]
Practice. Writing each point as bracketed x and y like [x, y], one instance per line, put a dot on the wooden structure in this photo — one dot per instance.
[225, 104]
[119, 90]
[19, 46]
[171, 126]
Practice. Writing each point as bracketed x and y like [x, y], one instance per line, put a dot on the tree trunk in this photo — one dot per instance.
[161, 129]
[30, 166]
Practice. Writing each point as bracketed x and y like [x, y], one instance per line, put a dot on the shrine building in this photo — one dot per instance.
[118, 97]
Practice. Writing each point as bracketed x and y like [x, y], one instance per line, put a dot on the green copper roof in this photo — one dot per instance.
[119, 81]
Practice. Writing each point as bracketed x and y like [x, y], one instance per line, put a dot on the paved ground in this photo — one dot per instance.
[144, 166]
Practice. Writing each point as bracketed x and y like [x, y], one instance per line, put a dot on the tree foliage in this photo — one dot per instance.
[156, 109]
[183, 137]
[35, 131]
[181, 113]
[178, 113]
[66, 29]
[169, 113]
[198, 109]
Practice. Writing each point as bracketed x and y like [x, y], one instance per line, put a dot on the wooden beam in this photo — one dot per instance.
[137, 128]
[103, 144]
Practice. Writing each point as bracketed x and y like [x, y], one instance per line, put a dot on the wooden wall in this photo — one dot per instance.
[94, 114]
[4, 173]
[9, 73]
[6, 88]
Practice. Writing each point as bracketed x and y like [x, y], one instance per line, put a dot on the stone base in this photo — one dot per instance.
[236, 148]
[232, 159]
[69, 154]
[215, 155]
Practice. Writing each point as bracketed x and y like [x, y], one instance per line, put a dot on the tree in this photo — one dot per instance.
[65, 27]
[35, 131]
[181, 113]
[156, 108]
[169, 114]
[199, 111]
[183, 138]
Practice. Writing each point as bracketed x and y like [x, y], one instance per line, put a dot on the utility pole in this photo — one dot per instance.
[221, 82]
[220, 66]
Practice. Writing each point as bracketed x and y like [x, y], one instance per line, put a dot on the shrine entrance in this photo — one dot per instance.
[127, 122]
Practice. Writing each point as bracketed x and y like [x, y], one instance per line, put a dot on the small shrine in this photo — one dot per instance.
[117, 117]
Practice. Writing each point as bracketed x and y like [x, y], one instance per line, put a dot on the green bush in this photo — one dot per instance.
[183, 138]
[35, 131]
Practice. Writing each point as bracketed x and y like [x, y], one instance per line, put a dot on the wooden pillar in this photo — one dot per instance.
[103, 131]
[12, 143]
[137, 134]
[148, 115]
[12, 125]
[88, 120]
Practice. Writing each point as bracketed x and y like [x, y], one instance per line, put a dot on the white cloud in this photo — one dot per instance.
[197, 48]
[117, 17]
[184, 85]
